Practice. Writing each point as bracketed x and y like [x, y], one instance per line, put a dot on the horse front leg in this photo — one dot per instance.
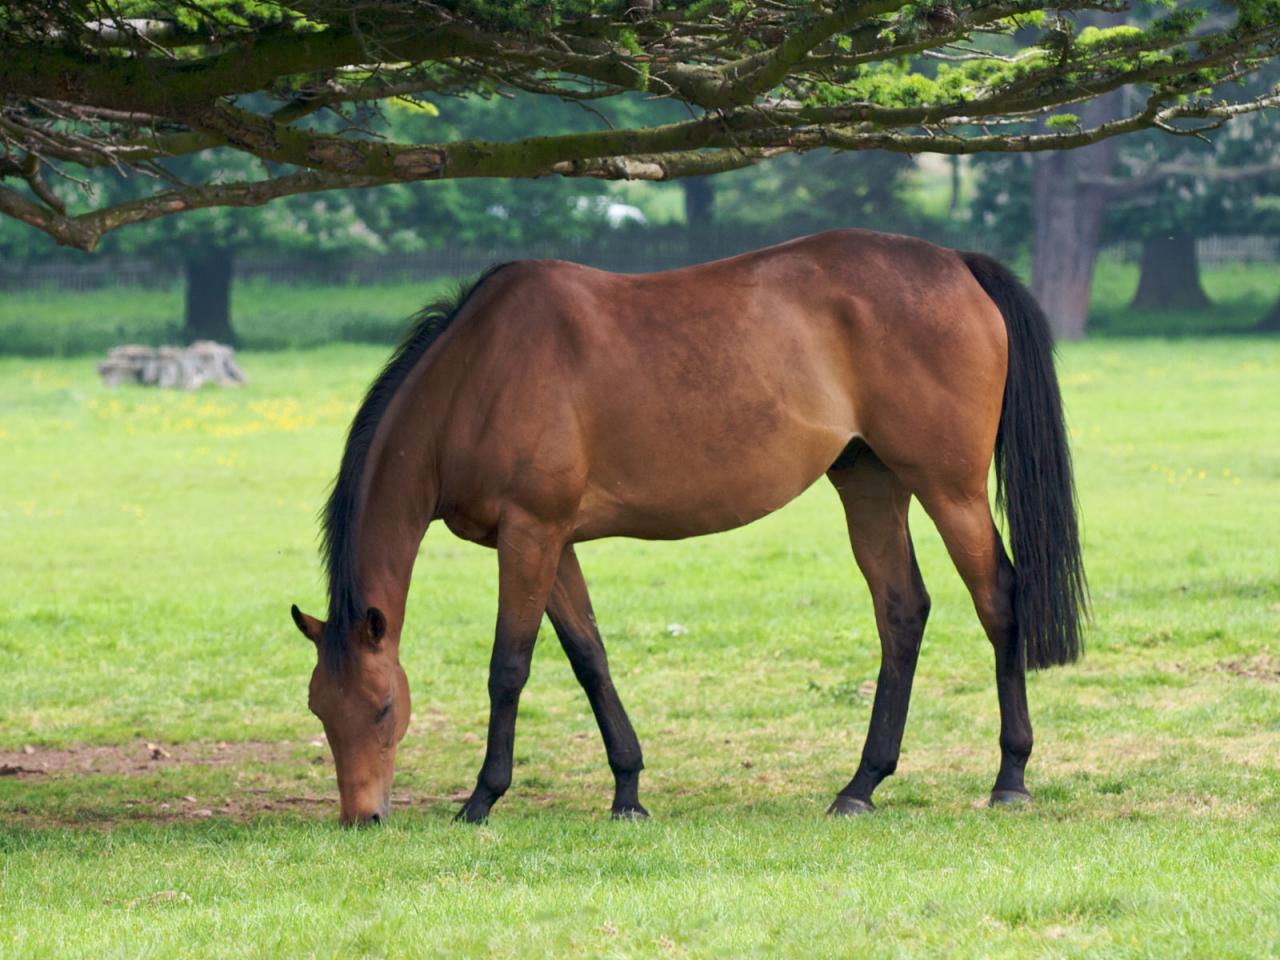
[575, 623]
[528, 553]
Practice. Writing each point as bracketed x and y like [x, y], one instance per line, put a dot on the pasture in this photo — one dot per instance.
[172, 796]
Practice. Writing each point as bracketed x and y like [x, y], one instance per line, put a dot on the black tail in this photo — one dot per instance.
[1033, 479]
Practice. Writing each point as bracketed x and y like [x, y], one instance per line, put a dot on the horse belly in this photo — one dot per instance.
[667, 478]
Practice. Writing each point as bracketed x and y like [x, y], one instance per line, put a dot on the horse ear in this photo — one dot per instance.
[311, 628]
[377, 624]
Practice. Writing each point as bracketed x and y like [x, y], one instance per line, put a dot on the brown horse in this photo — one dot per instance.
[554, 403]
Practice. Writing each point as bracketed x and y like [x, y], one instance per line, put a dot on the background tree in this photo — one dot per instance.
[699, 201]
[817, 191]
[1167, 195]
[206, 243]
[1162, 193]
[1070, 206]
[490, 211]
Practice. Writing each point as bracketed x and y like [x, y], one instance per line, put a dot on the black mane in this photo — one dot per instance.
[342, 510]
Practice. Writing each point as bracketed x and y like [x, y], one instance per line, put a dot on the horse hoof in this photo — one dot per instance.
[1008, 798]
[635, 812]
[844, 806]
[472, 812]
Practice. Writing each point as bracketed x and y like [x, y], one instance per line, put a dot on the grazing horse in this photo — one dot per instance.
[554, 403]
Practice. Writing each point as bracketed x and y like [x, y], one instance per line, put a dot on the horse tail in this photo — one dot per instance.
[1034, 486]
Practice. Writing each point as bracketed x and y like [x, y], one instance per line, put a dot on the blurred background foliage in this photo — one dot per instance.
[351, 265]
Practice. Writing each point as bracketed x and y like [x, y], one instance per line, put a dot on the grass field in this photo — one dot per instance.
[266, 316]
[150, 546]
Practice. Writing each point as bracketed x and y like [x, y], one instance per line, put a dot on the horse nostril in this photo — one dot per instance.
[373, 819]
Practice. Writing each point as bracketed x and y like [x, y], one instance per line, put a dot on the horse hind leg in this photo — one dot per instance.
[963, 518]
[875, 504]
[569, 609]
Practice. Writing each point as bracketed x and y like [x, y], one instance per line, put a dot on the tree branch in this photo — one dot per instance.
[772, 76]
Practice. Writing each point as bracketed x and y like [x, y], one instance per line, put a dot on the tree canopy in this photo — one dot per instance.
[133, 84]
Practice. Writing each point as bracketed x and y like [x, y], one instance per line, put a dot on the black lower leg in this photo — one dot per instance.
[506, 681]
[526, 571]
[622, 746]
[1011, 690]
[1015, 725]
[569, 608]
[902, 627]
[884, 733]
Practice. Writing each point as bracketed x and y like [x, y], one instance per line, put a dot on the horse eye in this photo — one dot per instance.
[382, 714]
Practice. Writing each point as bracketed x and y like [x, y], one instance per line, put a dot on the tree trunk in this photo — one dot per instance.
[1170, 275]
[208, 314]
[1067, 234]
[1271, 322]
[699, 199]
[1068, 205]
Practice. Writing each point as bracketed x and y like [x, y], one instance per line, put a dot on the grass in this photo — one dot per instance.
[150, 544]
[266, 316]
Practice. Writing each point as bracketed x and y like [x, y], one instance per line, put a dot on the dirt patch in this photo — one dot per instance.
[1260, 666]
[245, 806]
[262, 778]
[142, 757]
[1260, 749]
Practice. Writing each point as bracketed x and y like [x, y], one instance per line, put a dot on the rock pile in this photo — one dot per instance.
[186, 367]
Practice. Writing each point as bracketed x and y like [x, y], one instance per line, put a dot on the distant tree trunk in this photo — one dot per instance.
[1170, 275]
[1271, 322]
[1068, 214]
[699, 200]
[954, 204]
[1068, 205]
[208, 311]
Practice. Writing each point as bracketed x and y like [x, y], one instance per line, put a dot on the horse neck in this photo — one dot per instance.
[399, 504]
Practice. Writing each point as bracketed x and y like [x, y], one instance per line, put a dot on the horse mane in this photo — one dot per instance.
[341, 516]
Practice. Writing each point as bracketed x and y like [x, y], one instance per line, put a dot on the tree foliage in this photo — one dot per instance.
[290, 86]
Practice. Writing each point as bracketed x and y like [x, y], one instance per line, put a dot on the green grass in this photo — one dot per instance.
[150, 544]
[266, 316]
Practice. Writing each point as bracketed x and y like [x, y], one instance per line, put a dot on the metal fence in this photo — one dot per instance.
[633, 254]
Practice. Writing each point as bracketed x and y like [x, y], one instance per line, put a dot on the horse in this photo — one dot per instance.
[552, 403]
